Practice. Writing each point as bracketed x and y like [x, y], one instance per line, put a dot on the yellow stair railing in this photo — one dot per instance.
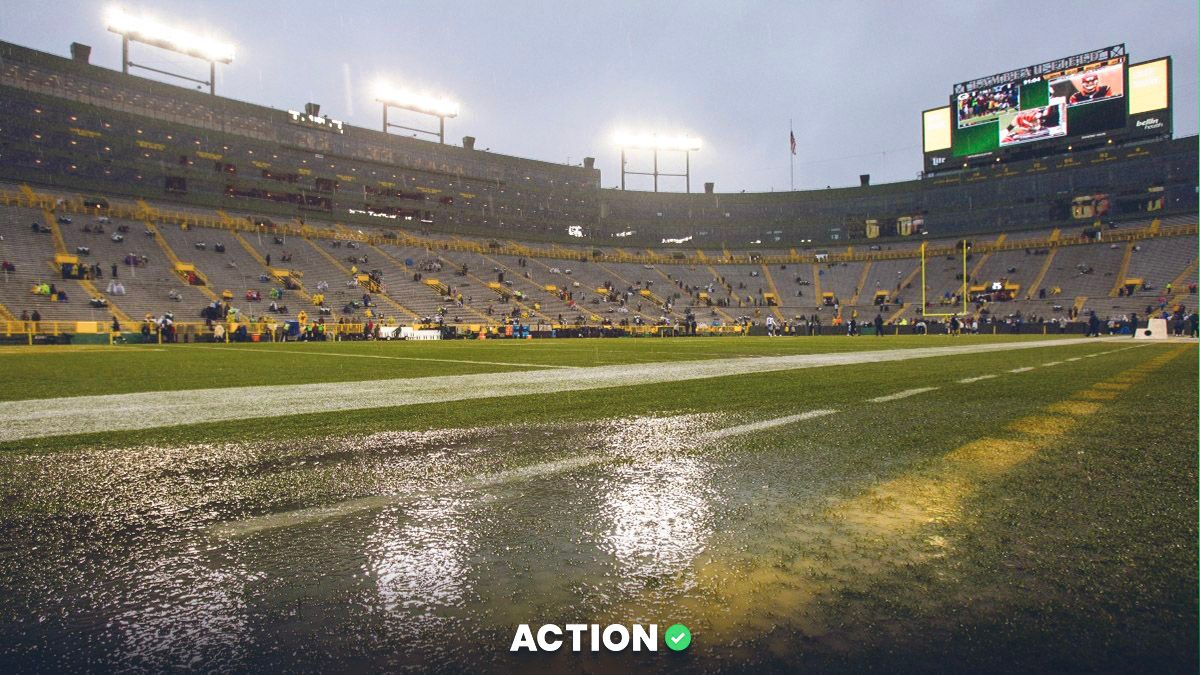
[1119, 282]
[346, 270]
[775, 291]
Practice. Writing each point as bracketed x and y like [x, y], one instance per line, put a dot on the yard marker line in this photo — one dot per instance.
[969, 380]
[1074, 358]
[39, 418]
[351, 506]
[381, 356]
[1051, 363]
[764, 424]
[1021, 370]
[900, 394]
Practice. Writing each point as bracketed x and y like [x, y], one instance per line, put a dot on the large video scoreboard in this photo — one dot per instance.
[1083, 100]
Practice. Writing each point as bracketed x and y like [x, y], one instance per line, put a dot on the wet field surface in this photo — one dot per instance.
[378, 552]
[425, 549]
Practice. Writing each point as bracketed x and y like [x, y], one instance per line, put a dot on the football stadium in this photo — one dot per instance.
[285, 392]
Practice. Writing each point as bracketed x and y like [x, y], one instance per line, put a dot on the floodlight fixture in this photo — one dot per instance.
[652, 141]
[423, 103]
[656, 143]
[150, 31]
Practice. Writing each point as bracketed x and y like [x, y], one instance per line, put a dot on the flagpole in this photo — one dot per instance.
[791, 157]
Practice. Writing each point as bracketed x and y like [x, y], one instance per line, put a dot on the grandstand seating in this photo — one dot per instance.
[146, 286]
[740, 287]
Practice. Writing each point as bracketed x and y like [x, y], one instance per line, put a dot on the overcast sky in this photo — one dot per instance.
[553, 80]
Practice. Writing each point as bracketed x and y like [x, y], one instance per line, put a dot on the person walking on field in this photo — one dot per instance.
[879, 325]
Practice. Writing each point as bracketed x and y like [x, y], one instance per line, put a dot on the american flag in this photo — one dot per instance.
[792, 135]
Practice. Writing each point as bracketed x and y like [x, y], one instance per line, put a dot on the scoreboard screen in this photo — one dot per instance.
[1037, 104]
[1044, 108]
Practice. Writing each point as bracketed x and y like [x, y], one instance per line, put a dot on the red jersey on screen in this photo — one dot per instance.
[1096, 94]
[1026, 122]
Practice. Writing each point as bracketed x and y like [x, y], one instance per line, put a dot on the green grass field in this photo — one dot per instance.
[1024, 509]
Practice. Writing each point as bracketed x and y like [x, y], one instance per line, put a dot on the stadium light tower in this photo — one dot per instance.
[658, 143]
[425, 104]
[151, 32]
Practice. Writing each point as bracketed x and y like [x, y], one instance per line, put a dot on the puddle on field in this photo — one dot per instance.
[415, 548]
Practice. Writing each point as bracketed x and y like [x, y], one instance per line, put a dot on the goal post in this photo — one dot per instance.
[924, 304]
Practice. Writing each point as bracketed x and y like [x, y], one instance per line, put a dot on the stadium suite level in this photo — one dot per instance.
[80, 127]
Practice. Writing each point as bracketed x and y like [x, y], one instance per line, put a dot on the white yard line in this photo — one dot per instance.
[900, 394]
[345, 508]
[149, 410]
[764, 424]
[1051, 363]
[381, 356]
[536, 471]
[969, 380]
[1026, 369]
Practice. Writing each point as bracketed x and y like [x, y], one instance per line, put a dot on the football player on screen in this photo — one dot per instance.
[1088, 88]
[1026, 123]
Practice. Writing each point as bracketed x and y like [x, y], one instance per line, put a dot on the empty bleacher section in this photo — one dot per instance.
[461, 281]
[146, 281]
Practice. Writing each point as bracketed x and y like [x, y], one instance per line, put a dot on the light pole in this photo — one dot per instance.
[425, 104]
[151, 32]
[657, 143]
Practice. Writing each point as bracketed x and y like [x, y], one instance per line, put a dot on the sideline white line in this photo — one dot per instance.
[1074, 358]
[900, 394]
[76, 349]
[380, 356]
[1051, 363]
[1026, 369]
[969, 380]
[764, 424]
[40, 418]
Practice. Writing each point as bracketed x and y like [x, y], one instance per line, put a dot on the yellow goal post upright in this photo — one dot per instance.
[924, 306]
